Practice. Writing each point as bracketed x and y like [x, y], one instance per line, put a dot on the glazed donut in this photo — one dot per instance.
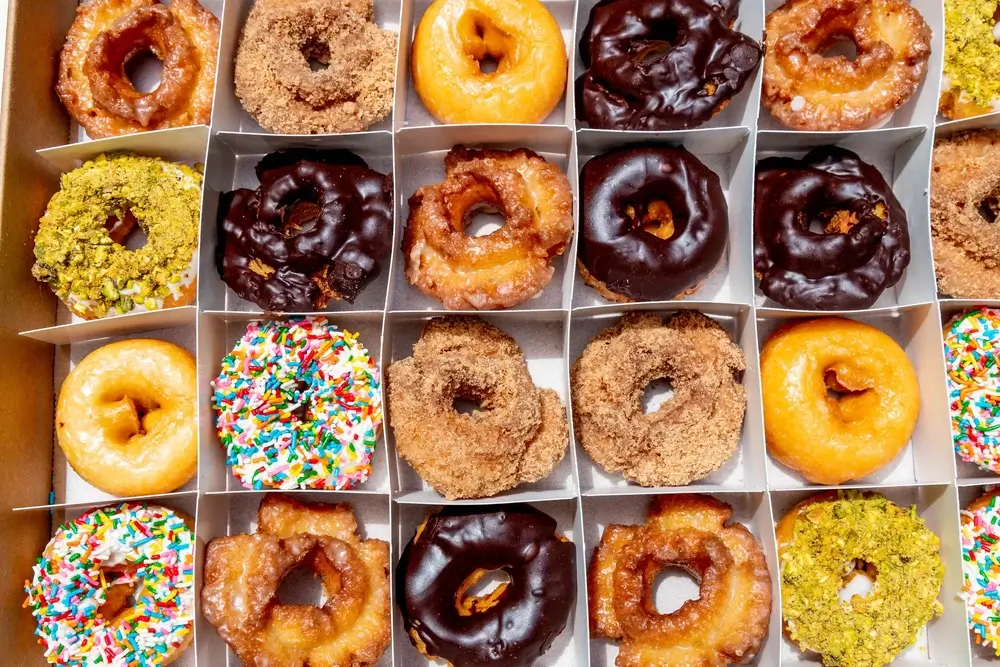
[519, 433]
[821, 534]
[661, 64]
[970, 352]
[455, 36]
[834, 440]
[726, 624]
[512, 264]
[107, 34]
[298, 406]
[317, 228]
[965, 187]
[243, 573]
[806, 90]
[277, 86]
[655, 224]
[78, 247]
[80, 588]
[690, 436]
[980, 568]
[970, 84]
[126, 417]
[510, 627]
[863, 248]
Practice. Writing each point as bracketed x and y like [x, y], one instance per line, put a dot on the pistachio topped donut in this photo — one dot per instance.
[79, 247]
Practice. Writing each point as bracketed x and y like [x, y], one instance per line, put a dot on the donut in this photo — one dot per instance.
[970, 352]
[661, 64]
[807, 90]
[316, 229]
[298, 406]
[726, 624]
[518, 433]
[78, 247]
[965, 205]
[455, 37]
[864, 246]
[512, 264]
[243, 573]
[981, 579]
[970, 84]
[512, 626]
[80, 588]
[126, 417]
[835, 439]
[821, 534]
[690, 436]
[280, 90]
[655, 223]
[107, 34]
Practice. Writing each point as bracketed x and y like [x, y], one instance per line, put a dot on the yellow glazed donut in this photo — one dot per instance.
[126, 417]
[521, 35]
[840, 398]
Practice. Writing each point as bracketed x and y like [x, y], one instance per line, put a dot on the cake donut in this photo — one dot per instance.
[513, 625]
[863, 248]
[107, 34]
[970, 83]
[688, 437]
[79, 249]
[817, 537]
[661, 64]
[317, 228]
[655, 223]
[455, 37]
[126, 417]
[80, 587]
[980, 569]
[298, 406]
[970, 352]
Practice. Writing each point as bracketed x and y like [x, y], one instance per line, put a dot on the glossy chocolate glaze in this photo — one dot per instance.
[816, 270]
[320, 222]
[649, 62]
[530, 613]
[615, 248]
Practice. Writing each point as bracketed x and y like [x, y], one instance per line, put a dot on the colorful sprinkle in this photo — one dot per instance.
[981, 571]
[299, 406]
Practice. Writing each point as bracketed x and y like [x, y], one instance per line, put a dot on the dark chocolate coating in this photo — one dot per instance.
[649, 62]
[342, 235]
[630, 261]
[814, 270]
[530, 613]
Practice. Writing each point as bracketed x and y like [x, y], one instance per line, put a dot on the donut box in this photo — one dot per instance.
[44, 340]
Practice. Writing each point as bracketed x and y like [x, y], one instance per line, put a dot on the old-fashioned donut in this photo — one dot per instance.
[863, 248]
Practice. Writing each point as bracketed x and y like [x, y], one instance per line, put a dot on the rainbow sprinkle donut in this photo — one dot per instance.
[981, 569]
[971, 345]
[92, 562]
[299, 406]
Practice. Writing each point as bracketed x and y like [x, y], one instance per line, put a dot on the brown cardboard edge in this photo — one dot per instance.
[31, 118]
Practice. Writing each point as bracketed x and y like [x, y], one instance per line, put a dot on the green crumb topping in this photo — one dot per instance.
[868, 631]
[971, 54]
[74, 251]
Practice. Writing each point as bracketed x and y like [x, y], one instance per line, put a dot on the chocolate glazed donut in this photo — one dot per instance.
[661, 64]
[461, 543]
[316, 228]
[655, 223]
[864, 245]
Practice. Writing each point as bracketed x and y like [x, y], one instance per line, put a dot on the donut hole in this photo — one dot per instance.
[465, 406]
[299, 217]
[859, 580]
[672, 587]
[483, 221]
[301, 587]
[842, 47]
[117, 599]
[317, 54]
[989, 208]
[655, 217]
[144, 71]
[125, 230]
[656, 393]
[849, 402]
[488, 64]
[662, 40]
[481, 590]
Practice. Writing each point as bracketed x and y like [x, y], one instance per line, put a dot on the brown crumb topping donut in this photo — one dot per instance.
[691, 435]
[518, 434]
[965, 205]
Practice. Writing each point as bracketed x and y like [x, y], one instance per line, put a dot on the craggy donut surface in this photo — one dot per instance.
[107, 34]
[655, 223]
[688, 437]
[863, 249]
[518, 434]
[508, 266]
[806, 90]
[454, 36]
